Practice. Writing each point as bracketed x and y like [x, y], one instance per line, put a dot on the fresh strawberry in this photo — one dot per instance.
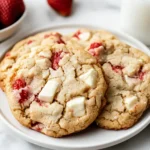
[10, 11]
[63, 7]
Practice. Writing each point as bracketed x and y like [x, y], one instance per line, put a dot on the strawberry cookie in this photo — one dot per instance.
[52, 87]
[127, 96]
[127, 73]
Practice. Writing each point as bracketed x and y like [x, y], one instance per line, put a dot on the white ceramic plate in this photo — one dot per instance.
[90, 139]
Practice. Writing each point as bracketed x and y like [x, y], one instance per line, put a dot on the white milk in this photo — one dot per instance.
[135, 19]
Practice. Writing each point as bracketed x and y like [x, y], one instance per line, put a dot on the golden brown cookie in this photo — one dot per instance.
[127, 73]
[52, 87]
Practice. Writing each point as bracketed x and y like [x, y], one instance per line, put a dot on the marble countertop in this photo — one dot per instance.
[93, 12]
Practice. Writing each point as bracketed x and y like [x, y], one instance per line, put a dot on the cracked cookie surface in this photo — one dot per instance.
[51, 86]
[127, 73]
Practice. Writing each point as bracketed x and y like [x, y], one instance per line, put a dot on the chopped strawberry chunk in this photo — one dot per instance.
[47, 35]
[95, 45]
[7, 54]
[38, 129]
[94, 52]
[141, 75]
[19, 83]
[76, 35]
[55, 59]
[57, 34]
[117, 68]
[37, 126]
[60, 41]
[29, 42]
[38, 101]
[23, 96]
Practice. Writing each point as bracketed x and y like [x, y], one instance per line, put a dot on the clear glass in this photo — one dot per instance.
[135, 19]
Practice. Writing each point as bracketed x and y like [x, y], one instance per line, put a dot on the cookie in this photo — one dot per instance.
[127, 73]
[128, 91]
[51, 86]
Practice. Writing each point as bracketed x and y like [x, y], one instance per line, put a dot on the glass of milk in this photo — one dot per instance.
[135, 19]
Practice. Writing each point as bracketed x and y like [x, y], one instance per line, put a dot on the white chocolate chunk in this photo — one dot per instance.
[84, 36]
[130, 102]
[76, 105]
[48, 92]
[130, 81]
[89, 77]
[45, 54]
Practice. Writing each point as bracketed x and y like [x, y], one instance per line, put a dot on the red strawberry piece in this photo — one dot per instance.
[11, 11]
[76, 35]
[60, 41]
[93, 52]
[93, 49]
[63, 7]
[59, 36]
[29, 42]
[7, 54]
[23, 96]
[37, 126]
[38, 101]
[47, 36]
[18, 84]
[55, 59]
[117, 68]
[95, 45]
[141, 75]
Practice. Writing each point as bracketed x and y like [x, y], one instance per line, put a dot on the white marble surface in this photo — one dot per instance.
[95, 12]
